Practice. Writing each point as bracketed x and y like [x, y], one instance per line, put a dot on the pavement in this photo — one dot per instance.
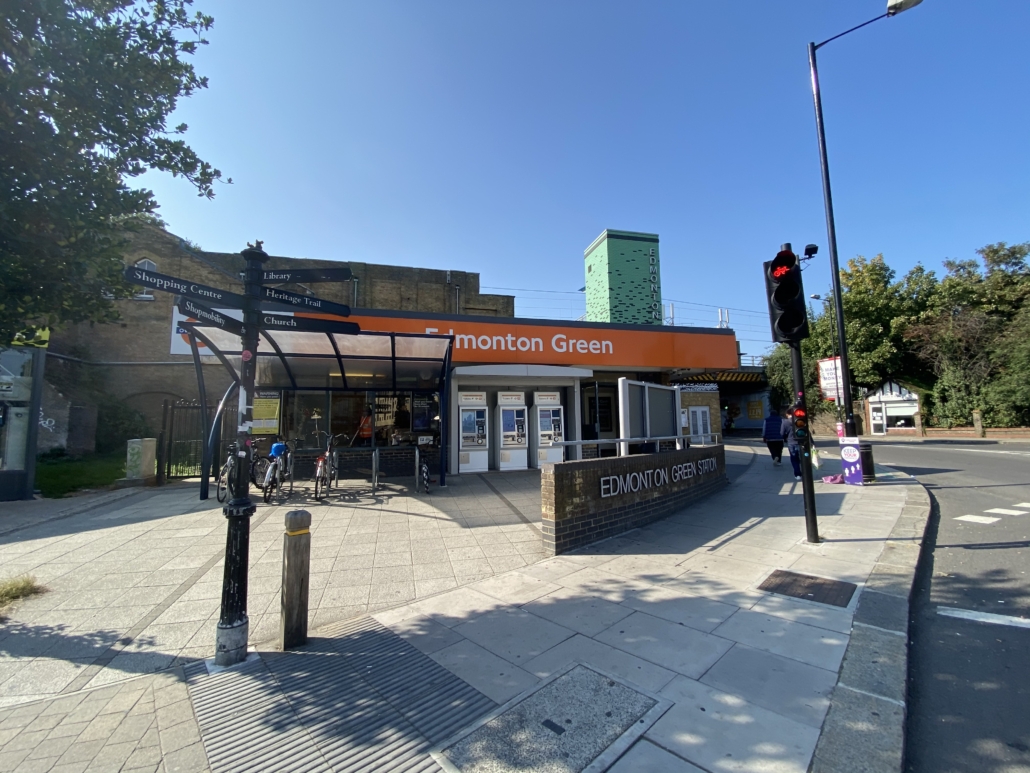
[970, 687]
[107, 671]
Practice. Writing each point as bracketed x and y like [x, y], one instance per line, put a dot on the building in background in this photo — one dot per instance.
[623, 278]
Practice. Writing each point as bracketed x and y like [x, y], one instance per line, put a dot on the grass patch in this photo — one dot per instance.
[59, 476]
[18, 588]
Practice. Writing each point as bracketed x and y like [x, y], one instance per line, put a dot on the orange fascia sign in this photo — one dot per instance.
[515, 341]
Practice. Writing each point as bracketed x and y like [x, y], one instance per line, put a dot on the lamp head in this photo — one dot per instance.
[894, 7]
[811, 250]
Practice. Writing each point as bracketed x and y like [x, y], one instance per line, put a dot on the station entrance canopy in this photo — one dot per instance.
[337, 362]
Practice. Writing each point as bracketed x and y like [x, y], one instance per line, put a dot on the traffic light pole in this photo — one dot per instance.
[233, 624]
[804, 444]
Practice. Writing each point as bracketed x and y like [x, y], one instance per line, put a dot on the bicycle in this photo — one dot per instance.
[258, 470]
[279, 470]
[225, 481]
[326, 471]
[422, 477]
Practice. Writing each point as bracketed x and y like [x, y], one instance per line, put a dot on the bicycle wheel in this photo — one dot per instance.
[334, 475]
[258, 470]
[318, 480]
[289, 473]
[222, 482]
[425, 476]
[268, 489]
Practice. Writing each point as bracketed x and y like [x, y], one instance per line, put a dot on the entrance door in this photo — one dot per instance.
[879, 425]
[700, 422]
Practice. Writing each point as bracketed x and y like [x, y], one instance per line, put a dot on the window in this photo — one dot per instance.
[147, 265]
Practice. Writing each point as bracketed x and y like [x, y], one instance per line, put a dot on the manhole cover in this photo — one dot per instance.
[805, 586]
[580, 720]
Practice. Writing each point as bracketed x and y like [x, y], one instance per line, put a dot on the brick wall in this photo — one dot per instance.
[583, 501]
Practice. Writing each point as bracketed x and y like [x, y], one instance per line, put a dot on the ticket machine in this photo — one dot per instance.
[547, 426]
[474, 453]
[514, 449]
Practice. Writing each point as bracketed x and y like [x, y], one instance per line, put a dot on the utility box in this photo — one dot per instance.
[140, 463]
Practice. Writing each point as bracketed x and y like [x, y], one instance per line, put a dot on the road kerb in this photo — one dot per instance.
[864, 730]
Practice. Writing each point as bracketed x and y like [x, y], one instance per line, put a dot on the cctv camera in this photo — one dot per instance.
[811, 250]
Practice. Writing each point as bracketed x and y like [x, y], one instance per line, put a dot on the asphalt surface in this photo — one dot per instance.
[969, 690]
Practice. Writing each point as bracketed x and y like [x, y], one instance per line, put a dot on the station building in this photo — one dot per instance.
[503, 378]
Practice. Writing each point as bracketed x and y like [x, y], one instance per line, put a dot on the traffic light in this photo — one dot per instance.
[788, 314]
[800, 421]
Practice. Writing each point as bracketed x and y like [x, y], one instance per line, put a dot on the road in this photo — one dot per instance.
[969, 695]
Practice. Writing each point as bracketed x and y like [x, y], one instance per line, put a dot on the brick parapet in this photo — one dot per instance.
[592, 499]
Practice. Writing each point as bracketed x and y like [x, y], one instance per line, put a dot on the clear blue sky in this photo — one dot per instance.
[503, 137]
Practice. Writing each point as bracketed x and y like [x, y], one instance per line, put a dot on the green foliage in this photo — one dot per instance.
[58, 477]
[964, 337]
[86, 88]
[117, 423]
[16, 588]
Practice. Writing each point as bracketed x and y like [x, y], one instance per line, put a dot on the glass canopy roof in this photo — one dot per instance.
[288, 359]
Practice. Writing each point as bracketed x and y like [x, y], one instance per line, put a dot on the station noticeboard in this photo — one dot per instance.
[266, 412]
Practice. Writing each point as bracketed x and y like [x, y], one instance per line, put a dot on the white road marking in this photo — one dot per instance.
[787, 488]
[984, 617]
[957, 450]
[1022, 504]
[1003, 511]
[977, 519]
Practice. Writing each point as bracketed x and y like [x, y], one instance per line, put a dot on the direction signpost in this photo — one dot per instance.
[282, 299]
[233, 623]
[202, 313]
[183, 287]
[306, 325]
[306, 275]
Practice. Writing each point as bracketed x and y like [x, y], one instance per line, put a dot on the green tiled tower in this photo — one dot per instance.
[623, 278]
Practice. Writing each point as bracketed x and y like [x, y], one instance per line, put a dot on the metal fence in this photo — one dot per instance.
[184, 433]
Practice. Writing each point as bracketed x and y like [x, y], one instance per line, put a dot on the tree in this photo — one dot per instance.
[974, 337]
[877, 310]
[86, 89]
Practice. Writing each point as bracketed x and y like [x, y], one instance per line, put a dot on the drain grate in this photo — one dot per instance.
[805, 586]
[358, 698]
[579, 720]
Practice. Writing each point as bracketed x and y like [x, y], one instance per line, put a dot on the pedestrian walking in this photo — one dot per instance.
[772, 434]
[787, 433]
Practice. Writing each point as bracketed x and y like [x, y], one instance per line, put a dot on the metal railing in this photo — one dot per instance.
[694, 440]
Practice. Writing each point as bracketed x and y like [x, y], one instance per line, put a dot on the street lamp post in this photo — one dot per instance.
[894, 7]
[833, 339]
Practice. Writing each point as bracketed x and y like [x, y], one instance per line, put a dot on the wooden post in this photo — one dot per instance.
[293, 628]
[978, 424]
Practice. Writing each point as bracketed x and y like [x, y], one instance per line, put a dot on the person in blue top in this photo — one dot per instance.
[787, 432]
[772, 434]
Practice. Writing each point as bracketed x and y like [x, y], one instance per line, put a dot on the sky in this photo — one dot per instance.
[503, 137]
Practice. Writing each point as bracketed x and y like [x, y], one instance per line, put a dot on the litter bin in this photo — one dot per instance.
[865, 451]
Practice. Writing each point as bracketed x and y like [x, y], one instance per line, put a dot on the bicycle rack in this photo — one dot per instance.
[418, 471]
[375, 469]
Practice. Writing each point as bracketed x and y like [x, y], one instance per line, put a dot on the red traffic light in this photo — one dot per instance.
[779, 271]
[800, 413]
